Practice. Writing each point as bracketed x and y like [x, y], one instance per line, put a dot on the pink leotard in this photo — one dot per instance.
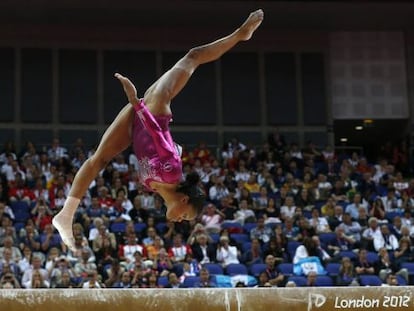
[157, 154]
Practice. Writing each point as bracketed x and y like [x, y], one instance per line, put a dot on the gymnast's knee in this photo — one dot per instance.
[97, 162]
[191, 60]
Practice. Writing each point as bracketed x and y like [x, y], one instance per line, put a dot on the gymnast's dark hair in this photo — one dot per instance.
[196, 194]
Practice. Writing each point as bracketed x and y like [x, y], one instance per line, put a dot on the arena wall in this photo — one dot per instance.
[223, 299]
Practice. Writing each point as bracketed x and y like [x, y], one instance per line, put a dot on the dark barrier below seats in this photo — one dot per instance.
[220, 299]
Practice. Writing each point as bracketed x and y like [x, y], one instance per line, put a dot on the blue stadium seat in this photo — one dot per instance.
[239, 238]
[285, 268]
[21, 216]
[18, 226]
[139, 227]
[189, 281]
[327, 237]
[163, 281]
[214, 268]
[20, 206]
[246, 246]
[370, 280]
[323, 280]
[236, 268]
[161, 227]
[232, 225]
[291, 248]
[333, 268]
[409, 266]
[117, 227]
[350, 254]
[257, 268]
[215, 237]
[300, 281]
[55, 241]
[307, 214]
[249, 226]
[391, 215]
[372, 257]
[401, 281]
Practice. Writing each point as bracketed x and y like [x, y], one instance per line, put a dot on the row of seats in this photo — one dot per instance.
[286, 269]
[363, 280]
[300, 281]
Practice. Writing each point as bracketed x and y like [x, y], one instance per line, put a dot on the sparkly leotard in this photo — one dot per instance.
[157, 154]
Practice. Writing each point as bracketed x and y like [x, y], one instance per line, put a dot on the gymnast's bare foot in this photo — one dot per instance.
[251, 24]
[129, 88]
[63, 224]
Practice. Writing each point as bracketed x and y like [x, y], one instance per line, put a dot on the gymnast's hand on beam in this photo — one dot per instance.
[129, 88]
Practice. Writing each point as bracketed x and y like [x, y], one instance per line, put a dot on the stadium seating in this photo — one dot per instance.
[234, 269]
[214, 268]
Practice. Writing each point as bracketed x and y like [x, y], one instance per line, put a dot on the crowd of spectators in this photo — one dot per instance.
[276, 215]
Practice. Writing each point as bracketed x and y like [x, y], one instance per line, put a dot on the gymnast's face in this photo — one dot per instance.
[180, 210]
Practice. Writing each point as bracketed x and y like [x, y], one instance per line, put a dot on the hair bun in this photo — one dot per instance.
[193, 178]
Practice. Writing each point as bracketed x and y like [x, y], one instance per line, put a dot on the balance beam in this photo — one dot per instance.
[218, 299]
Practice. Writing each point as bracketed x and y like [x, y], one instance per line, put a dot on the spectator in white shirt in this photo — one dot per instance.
[56, 152]
[35, 267]
[385, 239]
[320, 224]
[227, 254]
[218, 190]
[288, 209]
[391, 202]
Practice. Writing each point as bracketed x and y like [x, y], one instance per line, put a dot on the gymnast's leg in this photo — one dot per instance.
[116, 139]
[159, 95]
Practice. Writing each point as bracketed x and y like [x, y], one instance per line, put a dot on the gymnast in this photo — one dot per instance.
[144, 122]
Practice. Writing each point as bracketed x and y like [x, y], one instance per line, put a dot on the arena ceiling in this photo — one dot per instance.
[310, 15]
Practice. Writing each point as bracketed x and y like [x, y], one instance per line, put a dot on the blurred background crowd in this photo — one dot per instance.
[276, 215]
